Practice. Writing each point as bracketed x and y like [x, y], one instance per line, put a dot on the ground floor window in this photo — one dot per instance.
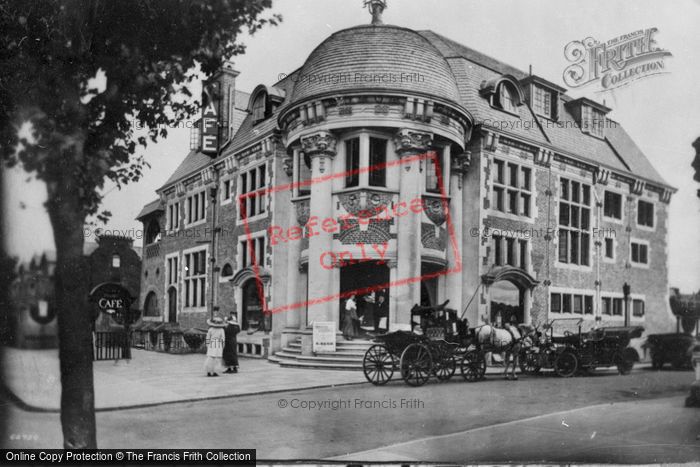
[253, 317]
[638, 308]
[572, 303]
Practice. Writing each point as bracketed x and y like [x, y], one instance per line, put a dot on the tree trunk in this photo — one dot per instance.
[75, 319]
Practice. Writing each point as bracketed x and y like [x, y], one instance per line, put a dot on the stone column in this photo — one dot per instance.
[454, 238]
[409, 144]
[320, 147]
[293, 318]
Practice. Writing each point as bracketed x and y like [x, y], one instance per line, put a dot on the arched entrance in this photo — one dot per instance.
[172, 305]
[150, 305]
[506, 303]
[509, 292]
[251, 306]
[251, 286]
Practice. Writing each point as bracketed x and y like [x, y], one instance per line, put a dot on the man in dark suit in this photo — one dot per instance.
[381, 310]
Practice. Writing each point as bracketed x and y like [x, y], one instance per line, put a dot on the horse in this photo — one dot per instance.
[509, 341]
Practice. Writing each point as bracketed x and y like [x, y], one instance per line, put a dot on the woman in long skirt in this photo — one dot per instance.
[215, 346]
[350, 319]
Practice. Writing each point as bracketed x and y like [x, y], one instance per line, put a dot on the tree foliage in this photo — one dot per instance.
[49, 51]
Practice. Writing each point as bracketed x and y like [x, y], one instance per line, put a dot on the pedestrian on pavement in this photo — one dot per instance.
[230, 354]
[350, 319]
[215, 345]
[368, 317]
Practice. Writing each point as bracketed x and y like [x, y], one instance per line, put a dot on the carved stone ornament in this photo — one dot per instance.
[364, 203]
[303, 212]
[435, 210]
[321, 143]
[288, 165]
[412, 141]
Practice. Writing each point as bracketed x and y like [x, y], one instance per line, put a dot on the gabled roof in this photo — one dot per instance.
[150, 208]
[194, 161]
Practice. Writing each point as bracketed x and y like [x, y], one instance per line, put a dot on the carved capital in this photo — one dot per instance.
[407, 141]
[322, 143]
[288, 165]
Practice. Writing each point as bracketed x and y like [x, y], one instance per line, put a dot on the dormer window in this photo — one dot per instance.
[259, 107]
[507, 97]
[592, 121]
[542, 101]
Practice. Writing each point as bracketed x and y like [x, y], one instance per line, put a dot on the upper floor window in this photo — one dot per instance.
[433, 173]
[512, 188]
[612, 205]
[171, 271]
[152, 232]
[252, 183]
[196, 207]
[173, 216]
[639, 253]
[226, 191]
[609, 248]
[645, 214]
[377, 162]
[574, 222]
[592, 121]
[507, 97]
[252, 252]
[352, 162]
[542, 102]
[510, 251]
[304, 164]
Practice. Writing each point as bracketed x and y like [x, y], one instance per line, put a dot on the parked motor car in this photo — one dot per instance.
[673, 348]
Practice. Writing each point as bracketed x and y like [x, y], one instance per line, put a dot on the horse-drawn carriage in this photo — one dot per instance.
[436, 344]
[582, 351]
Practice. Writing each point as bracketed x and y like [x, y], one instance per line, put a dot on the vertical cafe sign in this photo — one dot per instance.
[210, 119]
[616, 62]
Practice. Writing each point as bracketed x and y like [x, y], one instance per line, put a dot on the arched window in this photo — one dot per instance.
[259, 107]
[507, 99]
[150, 305]
[116, 261]
[227, 270]
[152, 232]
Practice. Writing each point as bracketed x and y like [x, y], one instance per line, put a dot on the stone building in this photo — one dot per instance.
[401, 162]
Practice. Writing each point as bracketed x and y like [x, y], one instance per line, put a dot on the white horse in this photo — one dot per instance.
[508, 340]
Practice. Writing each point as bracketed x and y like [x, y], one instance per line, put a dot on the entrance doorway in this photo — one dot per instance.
[172, 305]
[506, 303]
[365, 280]
[252, 307]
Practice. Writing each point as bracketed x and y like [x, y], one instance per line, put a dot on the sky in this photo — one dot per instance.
[660, 113]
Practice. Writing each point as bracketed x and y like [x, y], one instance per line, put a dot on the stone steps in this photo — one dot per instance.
[348, 356]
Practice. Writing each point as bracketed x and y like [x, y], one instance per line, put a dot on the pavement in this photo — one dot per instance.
[154, 378]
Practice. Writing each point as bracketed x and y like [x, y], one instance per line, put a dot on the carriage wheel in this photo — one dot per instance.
[529, 363]
[445, 367]
[378, 365]
[416, 364]
[566, 364]
[473, 366]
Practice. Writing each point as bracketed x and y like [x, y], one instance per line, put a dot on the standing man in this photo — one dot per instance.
[381, 311]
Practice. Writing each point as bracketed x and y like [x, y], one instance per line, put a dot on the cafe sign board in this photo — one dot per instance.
[210, 119]
[113, 299]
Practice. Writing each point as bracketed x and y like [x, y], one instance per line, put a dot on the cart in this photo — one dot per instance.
[437, 343]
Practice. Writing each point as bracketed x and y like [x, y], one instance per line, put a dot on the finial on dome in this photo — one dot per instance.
[376, 8]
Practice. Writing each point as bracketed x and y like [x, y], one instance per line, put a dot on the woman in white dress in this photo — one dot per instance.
[216, 339]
